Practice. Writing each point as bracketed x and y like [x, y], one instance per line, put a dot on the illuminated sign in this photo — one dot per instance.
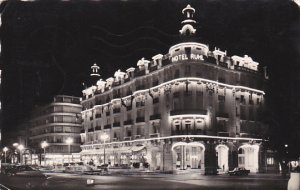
[182, 57]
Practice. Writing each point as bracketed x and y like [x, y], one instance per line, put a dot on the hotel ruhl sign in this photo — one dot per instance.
[183, 57]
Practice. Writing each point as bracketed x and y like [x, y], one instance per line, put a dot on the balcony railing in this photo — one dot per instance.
[188, 111]
[128, 122]
[140, 119]
[155, 116]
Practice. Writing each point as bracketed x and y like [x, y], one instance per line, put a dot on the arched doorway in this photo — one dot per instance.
[222, 152]
[188, 155]
[248, 157]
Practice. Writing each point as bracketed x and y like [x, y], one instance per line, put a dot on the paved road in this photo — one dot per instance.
[147, 182]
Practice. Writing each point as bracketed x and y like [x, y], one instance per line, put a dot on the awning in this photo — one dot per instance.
[137, 148]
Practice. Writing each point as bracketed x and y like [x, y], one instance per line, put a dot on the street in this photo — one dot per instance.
[148, 181]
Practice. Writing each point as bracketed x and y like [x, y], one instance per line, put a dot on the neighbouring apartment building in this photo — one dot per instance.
[54, 124]
[191, 108]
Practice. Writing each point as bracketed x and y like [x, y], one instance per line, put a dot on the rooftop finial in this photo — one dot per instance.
[188, 28]
[95, 70]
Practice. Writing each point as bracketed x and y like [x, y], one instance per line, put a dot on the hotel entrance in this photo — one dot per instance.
[188, 155]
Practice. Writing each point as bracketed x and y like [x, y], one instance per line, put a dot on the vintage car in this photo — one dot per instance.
[23, 176]
[239, 172]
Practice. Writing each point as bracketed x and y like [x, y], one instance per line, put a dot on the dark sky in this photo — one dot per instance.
[49, 46]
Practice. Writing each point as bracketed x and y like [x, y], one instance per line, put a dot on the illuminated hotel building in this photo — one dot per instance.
[54, 124]
[192, 108]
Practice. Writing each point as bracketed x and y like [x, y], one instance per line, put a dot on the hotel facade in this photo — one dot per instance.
[191, 108]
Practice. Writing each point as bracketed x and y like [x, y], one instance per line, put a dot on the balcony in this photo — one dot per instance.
[108, 126]
[98, 115]
[222, 114]
[188, 111]
[140, 119]
[90, 130]
[117, 124]
[155, 116]
[82, 131]
[108, 113]
[128, 122]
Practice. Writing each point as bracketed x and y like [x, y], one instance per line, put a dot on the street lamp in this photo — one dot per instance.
[44, 145]
[5, 149]
[20, 147]
[69, 141]
[104, 137]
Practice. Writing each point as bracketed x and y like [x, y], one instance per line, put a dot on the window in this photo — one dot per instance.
[243, 99]
[67, 129]
[187, 71]
[176, 75]
[58, 129]
[270, 161]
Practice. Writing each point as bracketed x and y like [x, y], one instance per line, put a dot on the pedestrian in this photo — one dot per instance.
[223, 167]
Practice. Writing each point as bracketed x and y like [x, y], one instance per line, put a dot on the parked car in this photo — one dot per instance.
[239, 172]
[24, 176]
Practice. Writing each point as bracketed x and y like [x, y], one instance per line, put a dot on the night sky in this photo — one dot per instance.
[49, 46]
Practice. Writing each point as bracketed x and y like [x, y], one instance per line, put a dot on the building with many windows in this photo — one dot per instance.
[54, 124]
[191, 108]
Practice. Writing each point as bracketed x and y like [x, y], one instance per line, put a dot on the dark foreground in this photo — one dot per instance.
[144, 182]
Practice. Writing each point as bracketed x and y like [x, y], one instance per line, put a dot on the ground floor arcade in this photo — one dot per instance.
[171, 154]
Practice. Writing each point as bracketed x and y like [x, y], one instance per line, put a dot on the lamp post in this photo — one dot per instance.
[44, 145]
[21, 147]
[69, 141]
[104, 137]
[16, 146]
[5, 149]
